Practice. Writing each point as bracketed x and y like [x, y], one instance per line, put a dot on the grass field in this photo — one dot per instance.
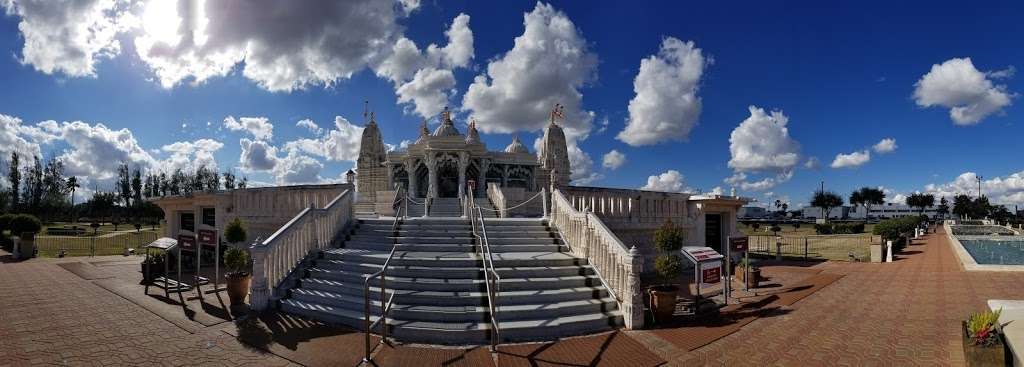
[806, 229]
[805, 243]
[105, 242]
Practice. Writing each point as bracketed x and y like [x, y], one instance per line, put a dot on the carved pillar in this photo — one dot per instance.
[391, 176]
[259, 290]
[504, 176]
[463, 165]
[432, 169]
[410, 170]
[481, 181]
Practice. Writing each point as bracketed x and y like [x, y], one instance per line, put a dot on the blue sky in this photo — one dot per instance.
[845, 76]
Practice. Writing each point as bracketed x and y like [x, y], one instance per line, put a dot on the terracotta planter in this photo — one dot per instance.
[663, 302]
[152, 271]
[238, 288]
[976, 355]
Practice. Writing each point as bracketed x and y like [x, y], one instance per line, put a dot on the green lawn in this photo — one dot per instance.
[805, 242]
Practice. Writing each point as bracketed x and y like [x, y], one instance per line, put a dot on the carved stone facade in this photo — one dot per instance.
[440, 164]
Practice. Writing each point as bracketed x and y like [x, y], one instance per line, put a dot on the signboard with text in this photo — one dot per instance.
[187, 242]
[738, 245]
[710, 273]
[207, 237]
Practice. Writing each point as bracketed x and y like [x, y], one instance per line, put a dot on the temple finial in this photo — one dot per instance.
[366, 110]
[557, 113]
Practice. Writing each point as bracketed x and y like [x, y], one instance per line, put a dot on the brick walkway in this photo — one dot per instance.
[904, 313]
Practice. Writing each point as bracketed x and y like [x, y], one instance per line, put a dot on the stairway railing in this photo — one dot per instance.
[618, 266]
[491, 278]
[277, 257]
[401, 206]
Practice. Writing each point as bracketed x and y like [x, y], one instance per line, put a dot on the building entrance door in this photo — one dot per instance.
[447, 181]
[713, 231]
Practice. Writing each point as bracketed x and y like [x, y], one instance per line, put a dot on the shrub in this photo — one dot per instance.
[895, 228]
[24, 223]
[775, 228]
[668, 238]
[5, 222]
[236, 260]
[755, 225]
[796, 225]
[839, 228]
[235, 231]
[668, 267]
[823, 228]
[981, 327]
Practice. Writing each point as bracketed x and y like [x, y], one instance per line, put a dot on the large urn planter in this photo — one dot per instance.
[750, 278]
[26, 246]
[663, 302]
[238, 287]
[983, 355]
[153, 268]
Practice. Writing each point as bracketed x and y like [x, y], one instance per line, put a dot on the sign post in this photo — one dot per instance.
[208, 238]
[739, 245]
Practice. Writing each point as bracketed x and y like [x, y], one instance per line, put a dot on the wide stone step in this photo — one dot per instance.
[539, 232]
[455, 298]
[459, 284]
[455, 259]
[456, 272]
[468, 239]
[455, 247]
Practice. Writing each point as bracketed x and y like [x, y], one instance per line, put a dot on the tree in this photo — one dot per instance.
[962, 205]
[14, 177]
[72, 185]
[920, 201]
[1001, 214]
[244, 183]
[229, 180]
[867, 196]
[136, 187]
[943, 208]
[165, 184]
[826, 200]
[32, 195]
[124, 183]
[235, 231]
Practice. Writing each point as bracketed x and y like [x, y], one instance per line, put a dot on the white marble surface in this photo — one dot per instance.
[1012, 319]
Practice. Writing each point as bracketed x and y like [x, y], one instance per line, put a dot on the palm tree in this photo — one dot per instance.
[72, 184]
[826, 200]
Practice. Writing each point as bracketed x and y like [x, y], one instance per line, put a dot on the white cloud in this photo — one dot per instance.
[548, 65]
[189, 155]
[812, 163]
[887, 145]
[1007, 190]
[968, 93]
[259, 127]
[67, 37]
[296, 168]
[257, 155]
[424, 80]
[762, 142]
[282, 48]
[96, 150]
[669, 181]
[740, 179]
[311, 126]
[13, 139]
[666, 106]
[339, 144]
[851, 160]
[614, 159]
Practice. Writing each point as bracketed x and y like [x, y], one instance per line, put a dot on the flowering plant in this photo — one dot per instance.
[981, 328]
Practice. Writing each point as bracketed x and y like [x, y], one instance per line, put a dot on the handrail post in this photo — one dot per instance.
[259, 291]
[544, 200]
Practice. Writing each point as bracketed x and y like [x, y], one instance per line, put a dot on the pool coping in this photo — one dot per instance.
[968, 262]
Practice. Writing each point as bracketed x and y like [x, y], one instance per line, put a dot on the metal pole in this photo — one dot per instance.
[366, 322]
[728, 272]
[805, 248]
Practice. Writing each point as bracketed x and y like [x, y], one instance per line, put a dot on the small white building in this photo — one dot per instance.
[891, 210]
[814, 212]
[751, 212]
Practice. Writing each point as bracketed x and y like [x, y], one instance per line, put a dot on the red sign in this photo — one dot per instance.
[207, 237]
[187, 242]
[738, 244]
[711, 275]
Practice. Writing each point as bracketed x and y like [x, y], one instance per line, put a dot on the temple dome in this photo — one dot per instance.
[447, 127]
[472, 136]
[516, 147]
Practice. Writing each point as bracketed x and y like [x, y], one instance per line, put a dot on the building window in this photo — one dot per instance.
[188, 221]
[210, 217]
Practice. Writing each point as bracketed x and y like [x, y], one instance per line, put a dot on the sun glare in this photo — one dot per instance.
[161, 21]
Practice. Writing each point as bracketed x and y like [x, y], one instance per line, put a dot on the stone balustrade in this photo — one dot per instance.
[276, 258]
[497, 197]
[638, 207]
[618, 266]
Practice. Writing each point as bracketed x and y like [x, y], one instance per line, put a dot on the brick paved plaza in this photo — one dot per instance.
[903, 313]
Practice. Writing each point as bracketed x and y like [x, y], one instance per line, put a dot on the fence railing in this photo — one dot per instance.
[106, 244]
[618, 266]
[855, 247]
[275, 258]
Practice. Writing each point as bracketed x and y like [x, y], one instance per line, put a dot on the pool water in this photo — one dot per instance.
[995, 252]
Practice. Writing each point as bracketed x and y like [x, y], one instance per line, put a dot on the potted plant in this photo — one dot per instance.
[236, 261]
[153, 267]
[983, 341]
[668, 240]
[748, 274]
[25, 227]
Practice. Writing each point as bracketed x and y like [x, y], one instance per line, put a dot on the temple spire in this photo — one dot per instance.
[557, 113]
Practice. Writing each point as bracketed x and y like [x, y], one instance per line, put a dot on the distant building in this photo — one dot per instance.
[891, 210]
[814, 212]
[752, 212]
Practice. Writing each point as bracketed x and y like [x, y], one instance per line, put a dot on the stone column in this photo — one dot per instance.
[504, 176]
[410, 170]
[432, 169]
[481, 181]
[463, 164]
[391, 176]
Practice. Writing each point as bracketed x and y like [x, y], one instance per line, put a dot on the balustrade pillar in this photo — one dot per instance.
[635, 313]
[259, 291]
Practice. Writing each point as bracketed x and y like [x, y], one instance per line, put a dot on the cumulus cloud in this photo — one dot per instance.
[68, 37]
[339, 144]
[257, 155]
[311, 126]
[887, 145]
[762, 142]
[188, 155]
[424, 79]
[812, 163]
[1008, 190]
[13, 139]
[969, 93]
[96, 150]
[614, 159]
[669, 181]
[666, 106]
[548, 65]
[296, 168]
[259, 127]
[282, 48]
[851, 160]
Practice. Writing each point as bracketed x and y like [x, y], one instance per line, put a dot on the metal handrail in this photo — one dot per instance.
[400, 204]
[492, 279]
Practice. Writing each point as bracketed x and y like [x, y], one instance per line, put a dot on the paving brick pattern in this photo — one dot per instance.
[49, 316]
[905, 313]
